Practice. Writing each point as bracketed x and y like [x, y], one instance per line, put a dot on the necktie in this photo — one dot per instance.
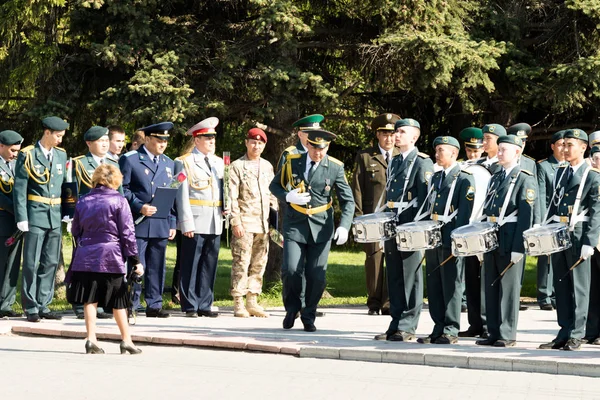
[156, 160]
[8, 166]
[101, 161]
[49, 156]
[400, 158]
[311, 170]
[387, 157]
[569, 174]
[207, 163]
[442, 177]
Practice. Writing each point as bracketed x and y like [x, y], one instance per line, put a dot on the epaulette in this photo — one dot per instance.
[61, 149]
[78, 157]
[527, 172]
[130, 153]
[531, 158]
[110, 160]
[563, 166]
[542, 160]
[293, 156]
[595, 170]
[466, 172]
[423, 155]
[28, 148]
[183, 156]
[336, 161]
[289, 149]
[167, 157]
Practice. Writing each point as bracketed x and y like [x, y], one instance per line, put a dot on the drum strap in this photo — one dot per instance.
[548, 218]
[501, 219]
[402, 206]
[574, 216]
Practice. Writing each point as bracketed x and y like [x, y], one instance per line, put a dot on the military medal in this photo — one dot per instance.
[328, 188]
[147, 171]
[372, 172]
[169, 173]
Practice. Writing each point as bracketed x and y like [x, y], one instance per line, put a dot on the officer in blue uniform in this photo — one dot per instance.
[144, 170]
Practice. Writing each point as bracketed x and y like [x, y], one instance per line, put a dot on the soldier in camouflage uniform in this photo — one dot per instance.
[251, 200]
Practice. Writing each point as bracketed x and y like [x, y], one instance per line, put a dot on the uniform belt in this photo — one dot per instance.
[311, 210]
[510, 218]
[45, 200]
[442, 218]
[565, 219]
[205, 203]
[393, 204]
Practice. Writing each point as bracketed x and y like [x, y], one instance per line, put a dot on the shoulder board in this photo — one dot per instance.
[293, 156]
[460, 160]
[289, 149]
[183, 156]
[28, 148]
[110, 160]
[595, 170]
[465, 172]
[563, 166]
[527, 172]
[531, 158]
[336, 161]
[78, 157]
[130, 153]
[61, 149]
[423, 155]
[167, 157]
[542, 160]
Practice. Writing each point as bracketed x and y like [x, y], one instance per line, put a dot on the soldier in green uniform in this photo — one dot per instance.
[97, 140]
[368, 187]
[546, 174]
[452, 192]
[408, 176]
[10, 257]
[575, 202]
[39, 174]
[491, 134]
[303, 125]
[306, 183]
[592, 326]
[509, 203]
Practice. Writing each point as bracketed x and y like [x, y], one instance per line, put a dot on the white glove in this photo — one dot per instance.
[515, 257]
[480, 257]
[23, 226]
[536, 225]
[586, 251]
[341, 235]
[297, 198]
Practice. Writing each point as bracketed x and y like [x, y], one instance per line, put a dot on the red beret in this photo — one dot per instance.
[258, 134]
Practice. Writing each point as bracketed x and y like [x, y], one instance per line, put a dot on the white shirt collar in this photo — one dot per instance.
[150, 154]
[46, 152]
[97, 159]
[576, 167]
[383, 152]
[509, 169]
[113, 156]
[490, 161]
[405, 154]
[447, 170]
[308, 161]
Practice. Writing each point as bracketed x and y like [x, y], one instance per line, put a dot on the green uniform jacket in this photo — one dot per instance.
[510, 235]
[417, 187]
[546, 173]
[369, 179]
[462, 199]
[328, 175]
[83, 169]
[7, 212]
[297, 149]
[35, 182]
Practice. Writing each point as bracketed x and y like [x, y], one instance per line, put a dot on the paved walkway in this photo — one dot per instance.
[344, 333]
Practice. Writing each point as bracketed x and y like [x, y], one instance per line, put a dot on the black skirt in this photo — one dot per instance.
[108, 290]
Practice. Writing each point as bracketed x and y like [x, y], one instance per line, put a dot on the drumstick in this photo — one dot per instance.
[503, 272]
[572, 268]
[442, 263]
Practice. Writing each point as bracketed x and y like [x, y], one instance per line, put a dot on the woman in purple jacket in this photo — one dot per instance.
[105, 237]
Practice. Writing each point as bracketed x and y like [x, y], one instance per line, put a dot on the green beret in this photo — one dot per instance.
[556, 136]
[473, 137]
[319, 138]
[309, 122]
[522, 130]
[494, 129]
[446, 140]
[595, 149]
[576, 134]
[10, 138]
[594, 138]
[512, 139]
[407, 122]
[384, 122]
[95, 133]
[55, 124]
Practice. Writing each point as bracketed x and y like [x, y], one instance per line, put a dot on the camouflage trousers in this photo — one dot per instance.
[249, 254]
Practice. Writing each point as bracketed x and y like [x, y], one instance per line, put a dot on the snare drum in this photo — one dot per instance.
[547, 239]
[473, 239]
[373, 228]
[420, 235]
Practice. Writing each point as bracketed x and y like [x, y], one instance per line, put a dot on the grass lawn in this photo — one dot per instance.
[345, 281]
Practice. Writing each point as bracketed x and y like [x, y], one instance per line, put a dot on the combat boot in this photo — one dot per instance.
[253, 307]
[238, 307]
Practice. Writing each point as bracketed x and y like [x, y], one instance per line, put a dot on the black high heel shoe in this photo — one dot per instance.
[91, 348]
[131, 349]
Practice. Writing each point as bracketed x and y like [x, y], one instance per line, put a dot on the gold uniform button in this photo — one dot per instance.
[439, 196]
[152, 183]
[566, 194]
[392, 190]
[51, 186]
[309, 188]
[152, 196]
[394, 180]
[436, 204]
[309, 206]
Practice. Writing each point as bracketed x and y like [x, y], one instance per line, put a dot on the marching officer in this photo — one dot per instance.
[305, 183]
[408, 176]
[509, 203]
[546, 174]
[303, 125]
[39, 174]
[10, 257]
[452, 192]
[575, 202]
[491, 134]
[200, 220]
[368, 187]
[474, 289]
[145, 170]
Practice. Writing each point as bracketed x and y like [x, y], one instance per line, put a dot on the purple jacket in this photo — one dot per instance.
[104, 232]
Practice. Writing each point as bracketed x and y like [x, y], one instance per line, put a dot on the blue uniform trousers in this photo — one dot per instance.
[152, 253]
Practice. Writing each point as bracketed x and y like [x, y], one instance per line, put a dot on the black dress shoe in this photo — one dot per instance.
[156, 313]
[546, 307]
[310, 327]
[596, 342]
[553, 345]
[373, 311]
[10, 314]
[288, 321]
[50, 315]
[80, 315]
[208, 313]
[92, 348]
[401, 336]
[469, 333]
[104, 315]
[505, 343]
[446, 339]
[191, 314]
[486, 342]
[33, 317]
[319, 314]
[463, 309]
[385, 311]
[523, 307]
[427, 340]
[572, 344]
[383, 336]
[131, 349]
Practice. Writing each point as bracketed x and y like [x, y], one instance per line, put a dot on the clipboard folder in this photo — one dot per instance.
[163, 201]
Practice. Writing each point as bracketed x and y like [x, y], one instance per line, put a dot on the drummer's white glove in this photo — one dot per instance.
[341, 235]
[480, 257]
[586, 251]
[536, 225]
[515, 257]
[297, 198]
[23, 226]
